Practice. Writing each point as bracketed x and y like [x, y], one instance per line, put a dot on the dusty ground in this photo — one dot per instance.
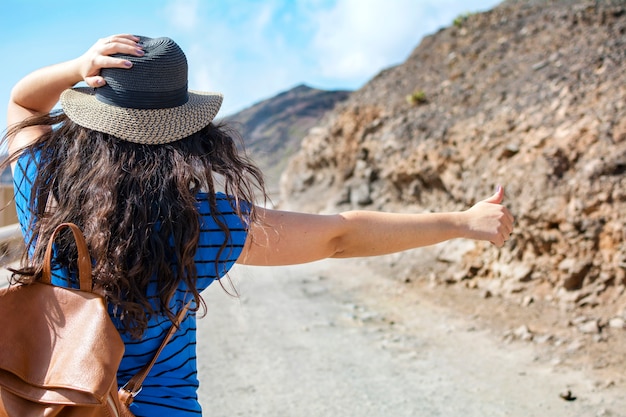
[340, 338]
[346, 337]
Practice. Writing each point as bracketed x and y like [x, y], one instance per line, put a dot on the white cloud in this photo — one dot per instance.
[182, 14]
[357, 37]
[248, 53]
[253, 50]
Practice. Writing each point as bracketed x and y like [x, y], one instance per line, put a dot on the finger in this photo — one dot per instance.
[497, 243]
[509, 216]
[122, 37]
[96, 81]
[503, 238]
[119, 44]
[122, 47]
[497, 197]
[122, 43]
[106, 61]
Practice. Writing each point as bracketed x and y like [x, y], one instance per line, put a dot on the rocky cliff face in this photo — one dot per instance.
[530, 95]
[273, 128]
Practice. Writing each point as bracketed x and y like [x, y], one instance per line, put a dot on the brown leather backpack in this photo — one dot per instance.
[59, 350]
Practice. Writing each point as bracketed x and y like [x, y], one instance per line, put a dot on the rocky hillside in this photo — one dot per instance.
[530, 95]
[273, 128]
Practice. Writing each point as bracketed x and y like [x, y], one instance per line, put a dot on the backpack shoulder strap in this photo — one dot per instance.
[130, 390]
[84, 260]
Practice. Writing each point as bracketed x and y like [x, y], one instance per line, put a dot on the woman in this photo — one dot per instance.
[132, 159]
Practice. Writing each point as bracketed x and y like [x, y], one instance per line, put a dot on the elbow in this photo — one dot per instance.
[339, 246]
[337, 249]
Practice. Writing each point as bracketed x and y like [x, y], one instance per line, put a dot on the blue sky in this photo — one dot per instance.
[248, 50]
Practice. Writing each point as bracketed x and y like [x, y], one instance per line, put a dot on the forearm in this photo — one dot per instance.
[40, 90]
[282, 238]
[368, 233]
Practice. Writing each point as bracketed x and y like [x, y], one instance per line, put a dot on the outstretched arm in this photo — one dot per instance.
[39, 91]
[283, 238]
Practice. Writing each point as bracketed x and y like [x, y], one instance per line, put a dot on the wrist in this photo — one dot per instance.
[461, 224]
[69, 73]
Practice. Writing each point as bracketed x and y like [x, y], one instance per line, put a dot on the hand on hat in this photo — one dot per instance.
[38, 92]
[98, 57]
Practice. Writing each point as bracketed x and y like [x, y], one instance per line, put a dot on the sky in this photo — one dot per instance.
[249, 50]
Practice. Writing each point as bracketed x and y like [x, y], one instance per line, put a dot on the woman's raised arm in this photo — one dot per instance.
[38, 92]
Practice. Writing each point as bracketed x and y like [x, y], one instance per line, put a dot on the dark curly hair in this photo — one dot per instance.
[117, 192]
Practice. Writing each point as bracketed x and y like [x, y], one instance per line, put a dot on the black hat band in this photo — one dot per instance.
[142, 99]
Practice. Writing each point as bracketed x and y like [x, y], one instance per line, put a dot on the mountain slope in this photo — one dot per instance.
[530, 95]
[273, 129]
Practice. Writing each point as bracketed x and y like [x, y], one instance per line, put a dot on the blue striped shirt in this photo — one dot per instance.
[171, 387]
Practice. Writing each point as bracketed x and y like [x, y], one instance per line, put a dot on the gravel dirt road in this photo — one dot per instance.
[334, 338]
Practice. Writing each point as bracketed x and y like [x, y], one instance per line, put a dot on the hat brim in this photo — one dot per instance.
[145, 126]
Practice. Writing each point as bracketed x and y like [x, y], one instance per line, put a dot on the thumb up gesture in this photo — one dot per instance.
[489, 220]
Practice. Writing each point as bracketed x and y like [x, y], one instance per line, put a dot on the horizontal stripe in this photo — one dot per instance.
[161, 408]
[173, 341]
[180, 367]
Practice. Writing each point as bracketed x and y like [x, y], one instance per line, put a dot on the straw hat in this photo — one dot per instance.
[148, 103]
